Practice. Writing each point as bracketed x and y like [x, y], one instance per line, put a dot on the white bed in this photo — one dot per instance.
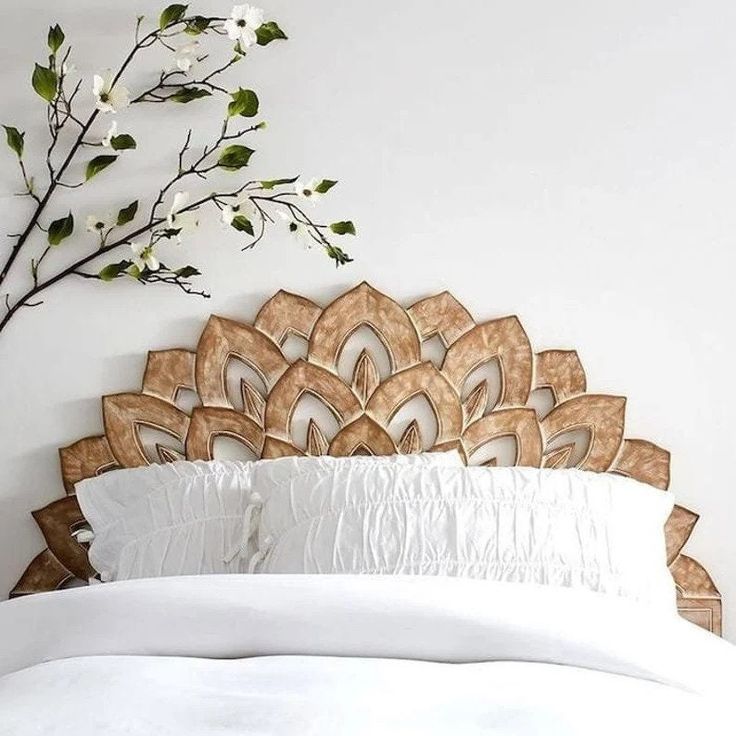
[333, 654]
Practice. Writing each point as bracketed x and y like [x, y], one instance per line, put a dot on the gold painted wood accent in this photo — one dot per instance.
[363, 408]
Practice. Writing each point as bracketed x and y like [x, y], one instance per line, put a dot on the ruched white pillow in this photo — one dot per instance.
[187, 518]
[572, 528]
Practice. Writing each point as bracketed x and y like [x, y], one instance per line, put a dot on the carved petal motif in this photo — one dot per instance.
[254, 405]
[365, 376]
[45, 573]
[646, 462]
[362, 437]
[562, 372]
[423, 379]
[411, 439]
[167, 372]
[441, 315]
[84, 459]
[286, 313]
[678, 529]
[503, 339]
[363, 305]
[56, 522]
[602, 415]
[475, 405]
[124, 414]
[316, 442]
[301, 378]
[519, 423]
[273, 447]
[210, 422]
[691, 579]
[223, 339]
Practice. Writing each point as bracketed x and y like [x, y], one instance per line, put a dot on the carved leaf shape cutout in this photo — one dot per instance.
[558, 458]
[411, 440]
[167, 454]
[254, 405]
[475, 404]
[365, 376]
[316, 442]
[678, 529]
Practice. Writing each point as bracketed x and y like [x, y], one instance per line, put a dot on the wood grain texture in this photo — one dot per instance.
[363, 407]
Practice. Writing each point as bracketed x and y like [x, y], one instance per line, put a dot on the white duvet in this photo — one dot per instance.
[343, 655]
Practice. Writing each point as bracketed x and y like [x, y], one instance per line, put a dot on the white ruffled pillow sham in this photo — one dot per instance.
[187, 518]
[573, 528]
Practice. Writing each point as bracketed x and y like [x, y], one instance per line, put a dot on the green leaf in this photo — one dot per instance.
[97, 164]
[122, 142]
[324, 186]
[196, 25]
[127, 213]
[55, 38]
[245, 103]
[187, 271]
[235, 157]
[60, 229]
[338, 255]
[269, 32]
[113, 270]
[15, 139]
[242, 223]
[171, 14]
[45, 82]
[344, 227]
[187, 94]
[271, 183]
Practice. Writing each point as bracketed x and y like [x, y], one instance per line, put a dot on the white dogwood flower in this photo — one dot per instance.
[298, 230]
[68, 68]
[111, 133]
[184, 222]
[96, 224]
[144, 257]
[242, 206]
[308, 189]
[186, 56]
[242, 24]
[109, 98]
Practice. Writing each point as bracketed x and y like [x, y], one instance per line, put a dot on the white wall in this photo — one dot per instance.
[572, 162]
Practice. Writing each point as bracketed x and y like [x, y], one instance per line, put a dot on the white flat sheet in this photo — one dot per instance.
[353, 655]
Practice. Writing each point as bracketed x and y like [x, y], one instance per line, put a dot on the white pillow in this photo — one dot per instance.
[186, 518]
[560, 527]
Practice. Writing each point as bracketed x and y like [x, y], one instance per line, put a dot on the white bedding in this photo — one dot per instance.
[283, 655]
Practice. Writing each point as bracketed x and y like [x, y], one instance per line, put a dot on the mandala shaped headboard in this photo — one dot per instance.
[363, 408]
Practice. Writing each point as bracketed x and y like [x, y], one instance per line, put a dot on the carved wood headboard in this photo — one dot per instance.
[363, 409]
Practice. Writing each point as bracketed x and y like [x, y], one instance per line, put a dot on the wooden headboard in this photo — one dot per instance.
[467, 417]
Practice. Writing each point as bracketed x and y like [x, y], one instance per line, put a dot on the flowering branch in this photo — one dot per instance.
[248, 208]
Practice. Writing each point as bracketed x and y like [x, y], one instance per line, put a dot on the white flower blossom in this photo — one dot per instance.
[187, 55]
[298, 230]
[111, 133]
[68, 68]
[184, 222]
[243, 23]
[96, 224]
[308, 189]
[109, 98]
[144, 257]
[243, 206]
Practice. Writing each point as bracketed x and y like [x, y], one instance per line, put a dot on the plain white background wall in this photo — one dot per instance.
[571, 162]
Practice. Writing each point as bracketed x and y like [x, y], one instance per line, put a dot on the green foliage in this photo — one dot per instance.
[45, 82]
[97, 164]
[187, 272]
[242, 223]
[324, 186]
[271, 183]
[127, 213]
[55, 38]
[113, 270]
[344, 227]
[338, 255]
[122, 142]
[171, 14]
[15, 139]
[187, 94]
[196, 25]
[60, 229]
[245, 103]
[269, 32]
[235, 157]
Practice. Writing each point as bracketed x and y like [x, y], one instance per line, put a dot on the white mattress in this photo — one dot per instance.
[348, 655]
